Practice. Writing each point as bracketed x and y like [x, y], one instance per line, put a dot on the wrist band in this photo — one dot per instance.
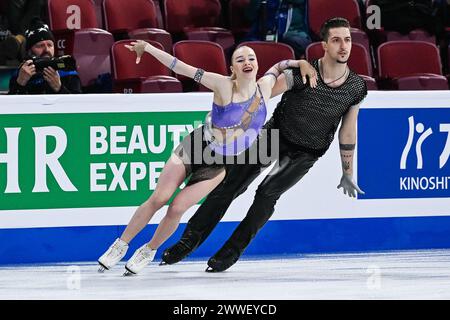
[198, 75]
[174, 62]
[346, 147]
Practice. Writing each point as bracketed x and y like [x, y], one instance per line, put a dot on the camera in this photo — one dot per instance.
[65, 63]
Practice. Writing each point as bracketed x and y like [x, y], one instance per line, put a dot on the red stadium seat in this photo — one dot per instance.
[92, 52]
[314, 51]
[65, 16]
[379, 36]
[269, 53]
[400, 69]
[152, 84]
[201, 54]
[415, 35]
[130, 77]
[370, 82]
[154, 34]
[359, 36]
[71, 15]
[123, 16]
[239, 23]
[358, 62]
[421, 82]
[321, 10]
[125, 66]
[220, 36]
[190, 14]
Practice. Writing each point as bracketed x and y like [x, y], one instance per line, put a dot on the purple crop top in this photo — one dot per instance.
[230, 117]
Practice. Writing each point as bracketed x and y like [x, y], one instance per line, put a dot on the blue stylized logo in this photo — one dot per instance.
[407, 156]
[419, 128]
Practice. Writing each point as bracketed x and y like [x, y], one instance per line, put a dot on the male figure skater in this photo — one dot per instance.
[307, 119]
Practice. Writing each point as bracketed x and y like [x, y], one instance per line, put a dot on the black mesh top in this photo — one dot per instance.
[309, 117]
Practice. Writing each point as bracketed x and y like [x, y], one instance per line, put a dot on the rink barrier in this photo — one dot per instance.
[74, 168]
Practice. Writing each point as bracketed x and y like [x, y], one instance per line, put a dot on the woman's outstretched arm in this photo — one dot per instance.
[211, 80]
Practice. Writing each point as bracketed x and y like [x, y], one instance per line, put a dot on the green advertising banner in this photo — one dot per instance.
[76, 160]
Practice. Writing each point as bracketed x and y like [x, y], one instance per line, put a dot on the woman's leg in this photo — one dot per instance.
[171, 177]
[184, 200]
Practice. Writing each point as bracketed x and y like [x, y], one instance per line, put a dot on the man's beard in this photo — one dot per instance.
[341, 62]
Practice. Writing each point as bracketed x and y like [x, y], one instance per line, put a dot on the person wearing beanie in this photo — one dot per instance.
[40, 43]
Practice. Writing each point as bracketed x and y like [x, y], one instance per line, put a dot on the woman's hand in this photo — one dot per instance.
[138, 46]
[307, 69]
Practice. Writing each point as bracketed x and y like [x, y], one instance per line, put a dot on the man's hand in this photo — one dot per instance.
[349, 186]
[27, 70]
[307, 69]
[52, 78]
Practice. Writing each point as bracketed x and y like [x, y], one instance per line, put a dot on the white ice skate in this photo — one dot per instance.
[142, 257]
[113, 255]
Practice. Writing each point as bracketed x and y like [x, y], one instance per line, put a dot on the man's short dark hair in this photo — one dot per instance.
[336, 22]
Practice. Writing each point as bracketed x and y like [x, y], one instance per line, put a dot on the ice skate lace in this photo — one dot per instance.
[143, 254]
[115, 251]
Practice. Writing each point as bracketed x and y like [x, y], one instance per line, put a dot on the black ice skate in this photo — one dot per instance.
[223, 259]
[180, 250]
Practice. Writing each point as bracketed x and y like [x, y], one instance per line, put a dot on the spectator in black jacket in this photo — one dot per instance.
[28, 80]
[405, 15]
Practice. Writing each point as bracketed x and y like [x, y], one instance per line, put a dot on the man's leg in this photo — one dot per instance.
[211, 211]
[299, 41]
[291, 169]
[33, 8]
[239, 176]
[15, 11]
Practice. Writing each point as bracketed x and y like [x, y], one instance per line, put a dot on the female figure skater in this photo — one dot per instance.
[237, 116]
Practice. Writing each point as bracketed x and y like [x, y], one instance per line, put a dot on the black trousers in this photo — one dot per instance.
[292, 165]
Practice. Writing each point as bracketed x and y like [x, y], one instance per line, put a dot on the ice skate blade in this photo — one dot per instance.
[102, 268]
[211, 270]
[163, 263]
[128, 274]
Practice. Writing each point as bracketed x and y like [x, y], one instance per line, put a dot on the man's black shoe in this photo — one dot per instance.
[223, 259]
[180, 250]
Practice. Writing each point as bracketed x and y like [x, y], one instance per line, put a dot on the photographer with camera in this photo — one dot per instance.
[42, 72]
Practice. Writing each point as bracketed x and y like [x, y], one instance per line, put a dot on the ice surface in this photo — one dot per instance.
[394, 275]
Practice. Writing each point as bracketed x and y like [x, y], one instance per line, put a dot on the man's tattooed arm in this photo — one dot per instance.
[347, 151]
